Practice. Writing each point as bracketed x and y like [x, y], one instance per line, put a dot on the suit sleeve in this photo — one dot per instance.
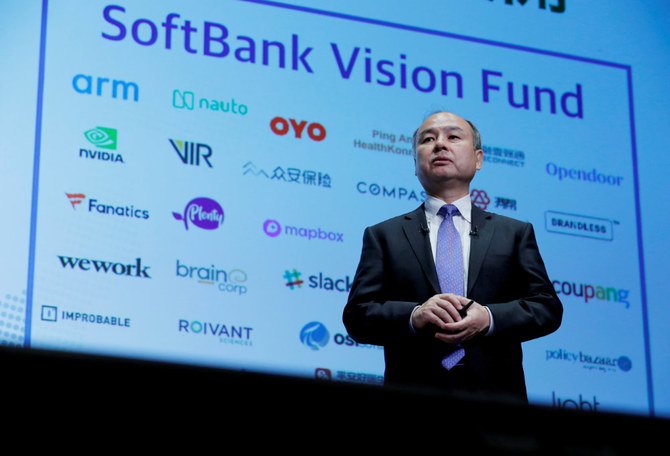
[536, 310]
[370, 316]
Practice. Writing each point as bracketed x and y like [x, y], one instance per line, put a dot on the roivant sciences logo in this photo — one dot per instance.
[225, 280]
[273, 229]
[294, 280]
[224, 333]
[102, 138]
[205, 213]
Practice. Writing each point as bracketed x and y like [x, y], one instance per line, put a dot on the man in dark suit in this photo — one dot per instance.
[419, 271]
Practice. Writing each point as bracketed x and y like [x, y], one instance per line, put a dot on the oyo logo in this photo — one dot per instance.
[202, 212]
[480, 199]
[314, 335]
[75, 199]
[102, 137]
[191, 152]
[281, 127]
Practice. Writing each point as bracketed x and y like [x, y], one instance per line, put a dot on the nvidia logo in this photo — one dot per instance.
[104, 138]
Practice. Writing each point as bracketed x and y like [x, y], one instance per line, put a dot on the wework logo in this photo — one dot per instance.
[106, 267]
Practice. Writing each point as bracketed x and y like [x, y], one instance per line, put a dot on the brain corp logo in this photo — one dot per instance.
[202, 212]
[314, 335]
[104, 138]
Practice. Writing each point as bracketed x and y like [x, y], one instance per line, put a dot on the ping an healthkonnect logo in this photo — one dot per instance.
[205, 213]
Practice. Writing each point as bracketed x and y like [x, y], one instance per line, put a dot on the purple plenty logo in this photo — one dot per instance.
[204, 213]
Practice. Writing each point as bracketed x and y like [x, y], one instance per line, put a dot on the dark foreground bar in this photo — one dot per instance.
[99, 402]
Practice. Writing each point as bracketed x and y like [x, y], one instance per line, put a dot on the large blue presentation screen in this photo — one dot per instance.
[196, 177]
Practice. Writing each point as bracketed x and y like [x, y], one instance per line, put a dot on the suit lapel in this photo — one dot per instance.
[479, 244]
[415, 228]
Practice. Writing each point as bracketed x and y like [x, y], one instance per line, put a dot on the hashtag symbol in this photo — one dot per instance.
[293, 279]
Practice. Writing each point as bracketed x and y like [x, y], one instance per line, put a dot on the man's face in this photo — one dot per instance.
[445, 154]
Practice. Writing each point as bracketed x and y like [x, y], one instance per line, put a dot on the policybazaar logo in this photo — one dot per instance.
[205, 213]
[599, 363]
[224, 333]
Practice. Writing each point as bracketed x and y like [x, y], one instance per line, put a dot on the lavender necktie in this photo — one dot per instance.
[449, 266]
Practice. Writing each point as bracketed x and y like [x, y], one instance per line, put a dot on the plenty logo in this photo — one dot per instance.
[314, 335]
[102, 137]
[75, 199]
[202, 212]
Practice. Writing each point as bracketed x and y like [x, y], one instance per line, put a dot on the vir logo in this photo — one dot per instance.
[190, 152]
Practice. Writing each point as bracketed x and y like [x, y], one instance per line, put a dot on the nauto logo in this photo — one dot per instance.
[314, 335]
[314, 130]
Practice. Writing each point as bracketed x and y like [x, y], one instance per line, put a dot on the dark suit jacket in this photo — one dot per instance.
[506, 273]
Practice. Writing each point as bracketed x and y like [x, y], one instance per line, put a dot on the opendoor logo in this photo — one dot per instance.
[314, 335]
[205, 213]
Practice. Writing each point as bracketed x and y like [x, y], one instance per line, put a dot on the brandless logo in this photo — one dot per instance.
[106, 267]
[204, 213]
[101, 138]
[190, 152]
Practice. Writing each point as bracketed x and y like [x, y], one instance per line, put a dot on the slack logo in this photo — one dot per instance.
[316, 281]
[273, 229]
[106, 267]
[190, 152]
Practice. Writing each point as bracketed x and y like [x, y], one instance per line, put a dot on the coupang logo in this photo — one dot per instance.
[205, 213]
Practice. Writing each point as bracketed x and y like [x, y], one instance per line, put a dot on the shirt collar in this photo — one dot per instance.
[464, 205]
